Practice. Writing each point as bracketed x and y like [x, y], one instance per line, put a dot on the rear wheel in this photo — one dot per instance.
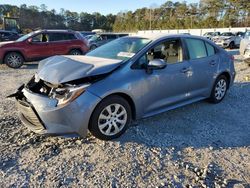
[219, 89]
[93, 47]
[14, 60]
[75, 52]
[111, 118]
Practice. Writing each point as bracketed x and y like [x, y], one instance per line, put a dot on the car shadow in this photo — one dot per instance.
[198, 125]
[29, 65]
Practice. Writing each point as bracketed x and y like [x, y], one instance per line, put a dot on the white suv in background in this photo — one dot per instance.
[245, 47]
[228, 39]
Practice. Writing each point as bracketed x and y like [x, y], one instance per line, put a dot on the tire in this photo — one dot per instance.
[14, 60]
[107, 126]
[219, 89]
[93, 47]
[231, 45]
[75, 52]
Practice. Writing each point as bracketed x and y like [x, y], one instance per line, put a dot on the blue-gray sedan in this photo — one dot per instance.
[129, 78]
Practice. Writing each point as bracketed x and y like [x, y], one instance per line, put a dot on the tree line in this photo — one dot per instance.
[170, 15]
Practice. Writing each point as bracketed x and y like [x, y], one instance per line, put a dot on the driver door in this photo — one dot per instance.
[38, 47]
[168, 87]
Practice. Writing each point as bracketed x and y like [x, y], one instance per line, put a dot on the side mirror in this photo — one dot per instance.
[156, 64]
[30, 40]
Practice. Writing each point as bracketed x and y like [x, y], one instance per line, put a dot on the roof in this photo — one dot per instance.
[55, 30]
[155, 36]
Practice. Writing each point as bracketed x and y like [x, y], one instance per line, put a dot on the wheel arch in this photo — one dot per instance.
[227, 75]
[75, 48]
[127, 98]
[16, 51]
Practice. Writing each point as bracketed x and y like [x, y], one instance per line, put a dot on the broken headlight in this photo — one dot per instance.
[68, 94]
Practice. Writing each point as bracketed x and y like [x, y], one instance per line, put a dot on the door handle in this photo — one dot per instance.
[212, 62]
[185, 70]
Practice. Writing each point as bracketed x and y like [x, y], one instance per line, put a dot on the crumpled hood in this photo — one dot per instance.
[60, 69]
[4, 43]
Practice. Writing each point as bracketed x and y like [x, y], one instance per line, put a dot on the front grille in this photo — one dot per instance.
[29, 114]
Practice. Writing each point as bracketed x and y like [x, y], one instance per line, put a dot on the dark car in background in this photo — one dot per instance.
[8, 36]
[103, 38]
[41, 44]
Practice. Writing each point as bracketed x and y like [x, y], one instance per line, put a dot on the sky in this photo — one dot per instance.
[103, 6]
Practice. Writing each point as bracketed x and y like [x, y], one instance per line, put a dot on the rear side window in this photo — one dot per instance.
[210, 49]
[69, 36]
[61, 36]
[196, 48]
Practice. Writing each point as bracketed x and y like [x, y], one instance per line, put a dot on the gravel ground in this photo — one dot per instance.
[197, 145]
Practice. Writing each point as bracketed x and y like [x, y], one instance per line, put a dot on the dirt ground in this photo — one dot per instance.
[199, 145]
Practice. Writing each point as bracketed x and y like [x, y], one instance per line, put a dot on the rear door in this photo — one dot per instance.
[204, 61]
[61, 42]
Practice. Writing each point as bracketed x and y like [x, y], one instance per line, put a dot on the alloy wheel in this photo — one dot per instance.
[220, 89]
[112, 119]
[14, 60]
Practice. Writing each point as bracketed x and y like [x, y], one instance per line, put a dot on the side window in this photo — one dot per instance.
[170, 51]
[196, 48]
[41, 38]
[56, 37]
[210, 49]
[69, 36]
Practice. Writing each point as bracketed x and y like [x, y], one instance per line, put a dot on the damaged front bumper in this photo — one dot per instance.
[42, 115]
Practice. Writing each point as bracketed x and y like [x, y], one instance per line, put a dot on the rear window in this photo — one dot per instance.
[210, 49]
[196, 48]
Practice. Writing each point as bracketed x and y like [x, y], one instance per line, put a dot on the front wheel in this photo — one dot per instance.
[111, 118]
[14, 60]
[219, 89]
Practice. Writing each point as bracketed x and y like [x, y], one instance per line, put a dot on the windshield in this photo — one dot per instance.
[121, 49]
[23, 38]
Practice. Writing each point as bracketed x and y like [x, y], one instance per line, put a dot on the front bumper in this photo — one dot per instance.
[41, 115]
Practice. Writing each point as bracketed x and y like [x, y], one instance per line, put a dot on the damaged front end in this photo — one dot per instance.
[56, 100]
[59, 109]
